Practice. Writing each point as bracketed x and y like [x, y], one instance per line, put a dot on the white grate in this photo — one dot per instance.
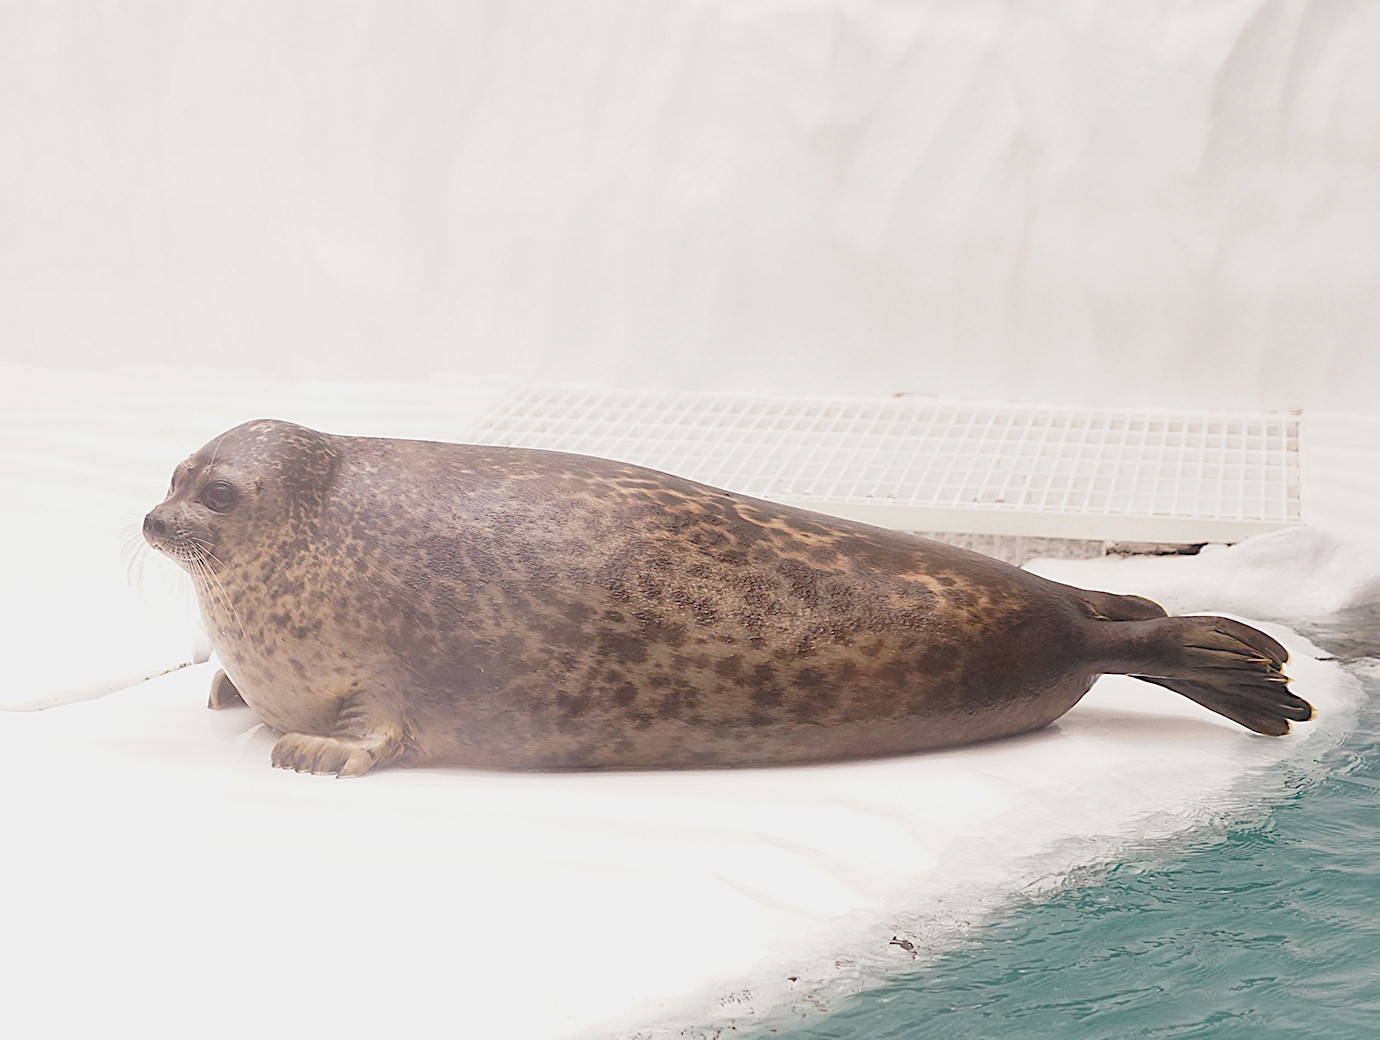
[919, 464]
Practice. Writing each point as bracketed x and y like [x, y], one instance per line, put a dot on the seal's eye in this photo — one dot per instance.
[219, 496]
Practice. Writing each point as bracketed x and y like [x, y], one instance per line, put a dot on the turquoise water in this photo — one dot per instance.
[1271, 930]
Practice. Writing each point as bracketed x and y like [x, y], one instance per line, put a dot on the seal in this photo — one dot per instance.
[422, 603]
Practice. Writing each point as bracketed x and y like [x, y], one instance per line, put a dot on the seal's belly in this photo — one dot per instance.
[300, 706]
[289, 681]
[591, 680]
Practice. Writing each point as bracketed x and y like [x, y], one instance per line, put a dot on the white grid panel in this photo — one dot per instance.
[918, 464]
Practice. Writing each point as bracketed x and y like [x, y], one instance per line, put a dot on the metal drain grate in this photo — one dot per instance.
[918, 464]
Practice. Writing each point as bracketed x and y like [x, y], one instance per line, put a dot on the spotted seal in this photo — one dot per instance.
[400, 601]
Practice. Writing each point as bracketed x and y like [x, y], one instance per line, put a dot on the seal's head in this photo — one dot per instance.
[248, 491]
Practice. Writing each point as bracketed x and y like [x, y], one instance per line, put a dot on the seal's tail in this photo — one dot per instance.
[1224, 665]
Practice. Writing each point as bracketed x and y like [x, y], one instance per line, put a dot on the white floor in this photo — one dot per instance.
[161, 874]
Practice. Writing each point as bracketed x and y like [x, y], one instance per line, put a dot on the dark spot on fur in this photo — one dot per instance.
[449, 611]
[825, 554]
[767, 696]
[707, 538]
[446, 558]
[938, 658]
[962, 598]
[728, 667]
[755, 597]
[802, 579]
[911, 620]
[572, 704]
[704, 612]
[624, 695]
[766, 691]
[815, 703]
[896, 671]
[484, 563]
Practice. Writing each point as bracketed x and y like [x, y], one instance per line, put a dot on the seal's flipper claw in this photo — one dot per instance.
[223, 693]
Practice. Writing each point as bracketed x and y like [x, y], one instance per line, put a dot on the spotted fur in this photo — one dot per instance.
[392, 600]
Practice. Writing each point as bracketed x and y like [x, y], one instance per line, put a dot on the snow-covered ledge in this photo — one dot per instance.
[162, 862]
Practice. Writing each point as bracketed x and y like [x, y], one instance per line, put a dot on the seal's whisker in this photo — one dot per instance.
[133, 546]
[216, 589]
[203, 585]
[215, 451]
[135, 560]
[134, 552]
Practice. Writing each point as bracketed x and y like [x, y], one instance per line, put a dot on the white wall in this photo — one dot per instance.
[1069, 201]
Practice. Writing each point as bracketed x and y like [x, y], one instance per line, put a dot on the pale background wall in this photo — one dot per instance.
[1069, 201]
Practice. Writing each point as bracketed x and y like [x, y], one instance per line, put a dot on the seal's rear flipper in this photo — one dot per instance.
[1266, 707]
[223, 693]
[1231, 668]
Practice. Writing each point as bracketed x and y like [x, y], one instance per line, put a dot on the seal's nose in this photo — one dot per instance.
[154, 529]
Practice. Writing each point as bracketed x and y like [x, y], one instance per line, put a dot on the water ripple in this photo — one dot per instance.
[1267, 931]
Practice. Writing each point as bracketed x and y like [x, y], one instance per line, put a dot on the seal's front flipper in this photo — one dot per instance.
[361, 741]
[310, 753]
[223, 693]
[1231, 668]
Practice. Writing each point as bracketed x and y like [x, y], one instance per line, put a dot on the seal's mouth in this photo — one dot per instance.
[177, 544]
